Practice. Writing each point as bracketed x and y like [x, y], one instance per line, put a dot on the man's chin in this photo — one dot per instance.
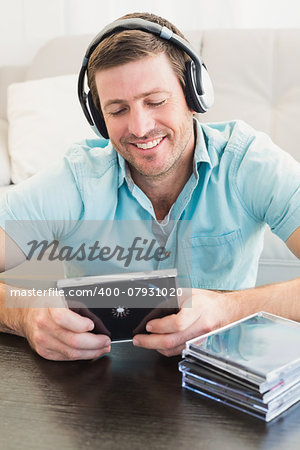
[156, 172]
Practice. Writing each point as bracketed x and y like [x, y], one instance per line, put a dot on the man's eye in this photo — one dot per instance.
[117, 113]
[154, 104]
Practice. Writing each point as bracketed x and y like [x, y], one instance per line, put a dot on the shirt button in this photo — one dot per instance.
[167, 253]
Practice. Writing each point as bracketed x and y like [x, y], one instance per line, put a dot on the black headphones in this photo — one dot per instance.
[198, 92]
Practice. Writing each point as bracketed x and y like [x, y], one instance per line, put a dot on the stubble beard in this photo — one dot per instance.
[174, 158]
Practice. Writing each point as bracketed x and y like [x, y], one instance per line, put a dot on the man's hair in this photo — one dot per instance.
[130, 45]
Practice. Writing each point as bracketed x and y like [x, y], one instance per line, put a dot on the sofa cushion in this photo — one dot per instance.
[4, 159]
[253, 80]
[44, 118]
[60, 56]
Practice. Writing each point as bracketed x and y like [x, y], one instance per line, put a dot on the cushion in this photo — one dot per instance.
[4, 159]
[45, 118]
[253, 82]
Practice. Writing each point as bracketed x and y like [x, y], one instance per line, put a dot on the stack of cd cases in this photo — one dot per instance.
[252, 365]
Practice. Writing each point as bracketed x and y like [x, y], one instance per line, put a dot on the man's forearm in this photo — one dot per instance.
[282, 299]
[11, 317]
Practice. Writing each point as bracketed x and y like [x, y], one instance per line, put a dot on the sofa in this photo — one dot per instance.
[256, 77]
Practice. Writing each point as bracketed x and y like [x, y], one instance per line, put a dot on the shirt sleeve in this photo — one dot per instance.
[43, 207]
[268, 184]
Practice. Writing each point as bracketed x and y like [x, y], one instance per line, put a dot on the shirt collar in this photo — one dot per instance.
[200, 155]
[124, 172]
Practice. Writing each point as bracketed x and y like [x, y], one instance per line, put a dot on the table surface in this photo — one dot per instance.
[130, 399]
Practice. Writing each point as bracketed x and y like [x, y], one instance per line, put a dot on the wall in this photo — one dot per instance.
[27, 24]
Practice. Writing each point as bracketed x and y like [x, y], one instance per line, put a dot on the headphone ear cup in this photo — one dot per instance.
[191, 94]
[97, 117]
[198, 103]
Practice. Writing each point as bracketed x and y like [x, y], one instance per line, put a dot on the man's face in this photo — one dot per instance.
[147, 118]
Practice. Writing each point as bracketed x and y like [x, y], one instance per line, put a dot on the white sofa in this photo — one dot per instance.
[256, 76]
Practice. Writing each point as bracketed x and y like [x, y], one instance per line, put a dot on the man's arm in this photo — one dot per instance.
[208, 310]
[54, 333]
[293, 242]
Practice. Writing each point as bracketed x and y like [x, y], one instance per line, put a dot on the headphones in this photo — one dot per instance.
[198, 91]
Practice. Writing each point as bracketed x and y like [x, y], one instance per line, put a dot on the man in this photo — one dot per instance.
[162, 166]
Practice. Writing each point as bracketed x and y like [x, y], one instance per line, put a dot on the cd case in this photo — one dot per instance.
[252, 365]
[262, 348]
[120, 305]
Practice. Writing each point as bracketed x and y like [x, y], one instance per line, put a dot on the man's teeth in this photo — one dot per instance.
[149, 144]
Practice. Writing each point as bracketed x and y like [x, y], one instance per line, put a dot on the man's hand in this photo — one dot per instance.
[60, 334]
[202, 312]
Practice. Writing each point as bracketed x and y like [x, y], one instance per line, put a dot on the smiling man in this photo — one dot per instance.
[150, 125]
[160, 166]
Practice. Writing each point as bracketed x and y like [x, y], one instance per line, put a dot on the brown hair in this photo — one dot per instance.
[129, 45]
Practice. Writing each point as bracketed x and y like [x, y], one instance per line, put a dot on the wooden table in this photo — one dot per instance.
[132, 399]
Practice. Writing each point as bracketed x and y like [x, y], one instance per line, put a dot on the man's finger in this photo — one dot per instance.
[174, 351]
[70, 320]
[158, 341]
[83, 341]
[65, 353]
[173, 323]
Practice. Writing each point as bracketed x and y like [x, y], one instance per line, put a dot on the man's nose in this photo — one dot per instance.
[140, 122]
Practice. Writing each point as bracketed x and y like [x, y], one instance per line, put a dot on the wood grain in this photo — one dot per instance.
[131, 399]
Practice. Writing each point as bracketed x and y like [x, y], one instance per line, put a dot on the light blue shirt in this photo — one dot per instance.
[214, 232]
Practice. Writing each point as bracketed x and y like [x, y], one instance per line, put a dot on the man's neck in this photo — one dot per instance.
[163, 191]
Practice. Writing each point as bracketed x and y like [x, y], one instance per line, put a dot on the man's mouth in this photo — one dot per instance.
[149, 144]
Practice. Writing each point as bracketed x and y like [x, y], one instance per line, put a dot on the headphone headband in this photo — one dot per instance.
[195, 76]
[124, 24]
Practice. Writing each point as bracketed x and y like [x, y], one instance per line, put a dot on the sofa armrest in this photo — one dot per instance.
[4, 158]
[277, 263]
